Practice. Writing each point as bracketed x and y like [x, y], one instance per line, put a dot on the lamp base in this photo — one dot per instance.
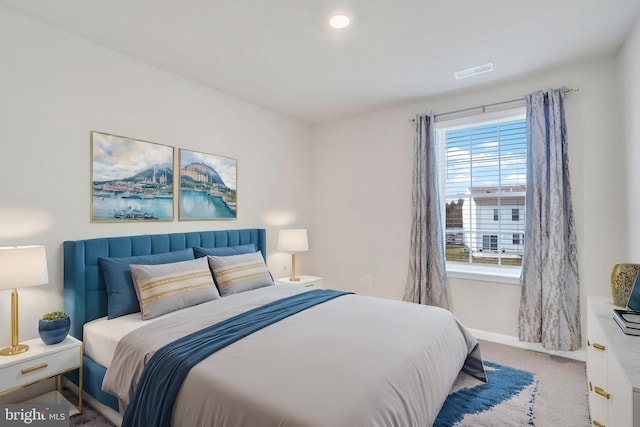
[294, 279]
[13, 350]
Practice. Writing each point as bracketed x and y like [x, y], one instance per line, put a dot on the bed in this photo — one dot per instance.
[348, 360]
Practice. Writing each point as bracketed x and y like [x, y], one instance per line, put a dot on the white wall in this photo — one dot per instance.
[629, 67]
[56, 88]
[362, 180]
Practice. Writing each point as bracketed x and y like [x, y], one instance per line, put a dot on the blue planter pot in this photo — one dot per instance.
[54, 331]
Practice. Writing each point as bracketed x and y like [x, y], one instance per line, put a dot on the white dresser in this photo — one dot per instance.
[613, 368]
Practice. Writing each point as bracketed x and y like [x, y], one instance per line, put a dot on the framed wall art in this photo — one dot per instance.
[207, 186]
[131, 180]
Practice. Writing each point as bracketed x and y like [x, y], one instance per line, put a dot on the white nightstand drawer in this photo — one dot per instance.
[310, 282]
[315, 284]
[34, 367]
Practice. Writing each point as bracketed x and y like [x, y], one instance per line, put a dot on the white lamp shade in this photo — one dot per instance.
[293, 240]
[22, 266]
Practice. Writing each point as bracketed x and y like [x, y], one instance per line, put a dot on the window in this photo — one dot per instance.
[518, 239]
[490, 243]
[483, 182]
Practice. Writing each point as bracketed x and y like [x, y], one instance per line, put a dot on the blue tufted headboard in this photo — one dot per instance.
[85, 295]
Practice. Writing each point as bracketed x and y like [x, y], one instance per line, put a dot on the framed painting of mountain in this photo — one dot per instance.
[207, 186]
[131, 180]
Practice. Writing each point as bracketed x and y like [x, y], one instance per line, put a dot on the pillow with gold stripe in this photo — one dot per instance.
[165, 288]
[239, 273]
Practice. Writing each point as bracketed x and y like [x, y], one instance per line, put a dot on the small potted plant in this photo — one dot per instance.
[54, 327]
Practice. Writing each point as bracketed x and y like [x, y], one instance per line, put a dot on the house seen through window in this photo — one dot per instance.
[483, 184]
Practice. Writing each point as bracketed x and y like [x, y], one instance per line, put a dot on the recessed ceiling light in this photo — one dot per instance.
[339, 21]
[473, 71]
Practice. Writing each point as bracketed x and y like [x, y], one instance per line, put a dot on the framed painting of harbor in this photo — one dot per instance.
[131, 180]
[207, 186]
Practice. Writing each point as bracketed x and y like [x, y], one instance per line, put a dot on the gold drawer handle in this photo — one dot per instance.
[601, 392]
[597, 424]
[34, 368]
[599, 346]
[310, 285]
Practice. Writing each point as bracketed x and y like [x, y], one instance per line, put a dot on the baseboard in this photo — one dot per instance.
[103, 409]
[514, 342]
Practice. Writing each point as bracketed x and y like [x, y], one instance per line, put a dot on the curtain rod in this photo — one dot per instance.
[567, 90]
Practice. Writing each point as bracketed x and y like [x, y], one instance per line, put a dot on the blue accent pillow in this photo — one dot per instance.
[121, 295]
[224, 251]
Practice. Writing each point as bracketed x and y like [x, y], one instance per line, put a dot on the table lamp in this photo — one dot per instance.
[293, 240]
[20, 266]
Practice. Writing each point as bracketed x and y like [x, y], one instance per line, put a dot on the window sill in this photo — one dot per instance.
[508, 275]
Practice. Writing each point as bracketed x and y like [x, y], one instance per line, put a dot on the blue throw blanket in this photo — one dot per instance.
[163, 375]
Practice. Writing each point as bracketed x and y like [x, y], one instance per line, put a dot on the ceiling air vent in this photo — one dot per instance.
[473, 71]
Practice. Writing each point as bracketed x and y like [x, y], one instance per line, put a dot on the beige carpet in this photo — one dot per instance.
[561, 399]
[89, 416]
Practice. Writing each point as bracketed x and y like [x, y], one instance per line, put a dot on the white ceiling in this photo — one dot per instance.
[281, 55]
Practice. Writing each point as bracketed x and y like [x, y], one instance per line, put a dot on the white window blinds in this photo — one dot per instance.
[483, 180]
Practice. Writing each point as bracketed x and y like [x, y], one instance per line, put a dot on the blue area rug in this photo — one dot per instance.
[506, 399]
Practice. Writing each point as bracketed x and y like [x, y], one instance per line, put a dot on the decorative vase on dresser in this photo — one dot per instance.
[622, 278]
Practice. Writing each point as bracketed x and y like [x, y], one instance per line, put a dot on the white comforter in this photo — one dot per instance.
[351, 361]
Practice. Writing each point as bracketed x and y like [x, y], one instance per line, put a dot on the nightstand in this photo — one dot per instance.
[314, 282]
[40, 363]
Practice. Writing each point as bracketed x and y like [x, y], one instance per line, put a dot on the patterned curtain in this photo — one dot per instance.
[427, 279]
[549, 304]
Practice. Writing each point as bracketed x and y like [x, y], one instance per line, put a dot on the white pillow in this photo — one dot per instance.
[164, 288]
[239, 273]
